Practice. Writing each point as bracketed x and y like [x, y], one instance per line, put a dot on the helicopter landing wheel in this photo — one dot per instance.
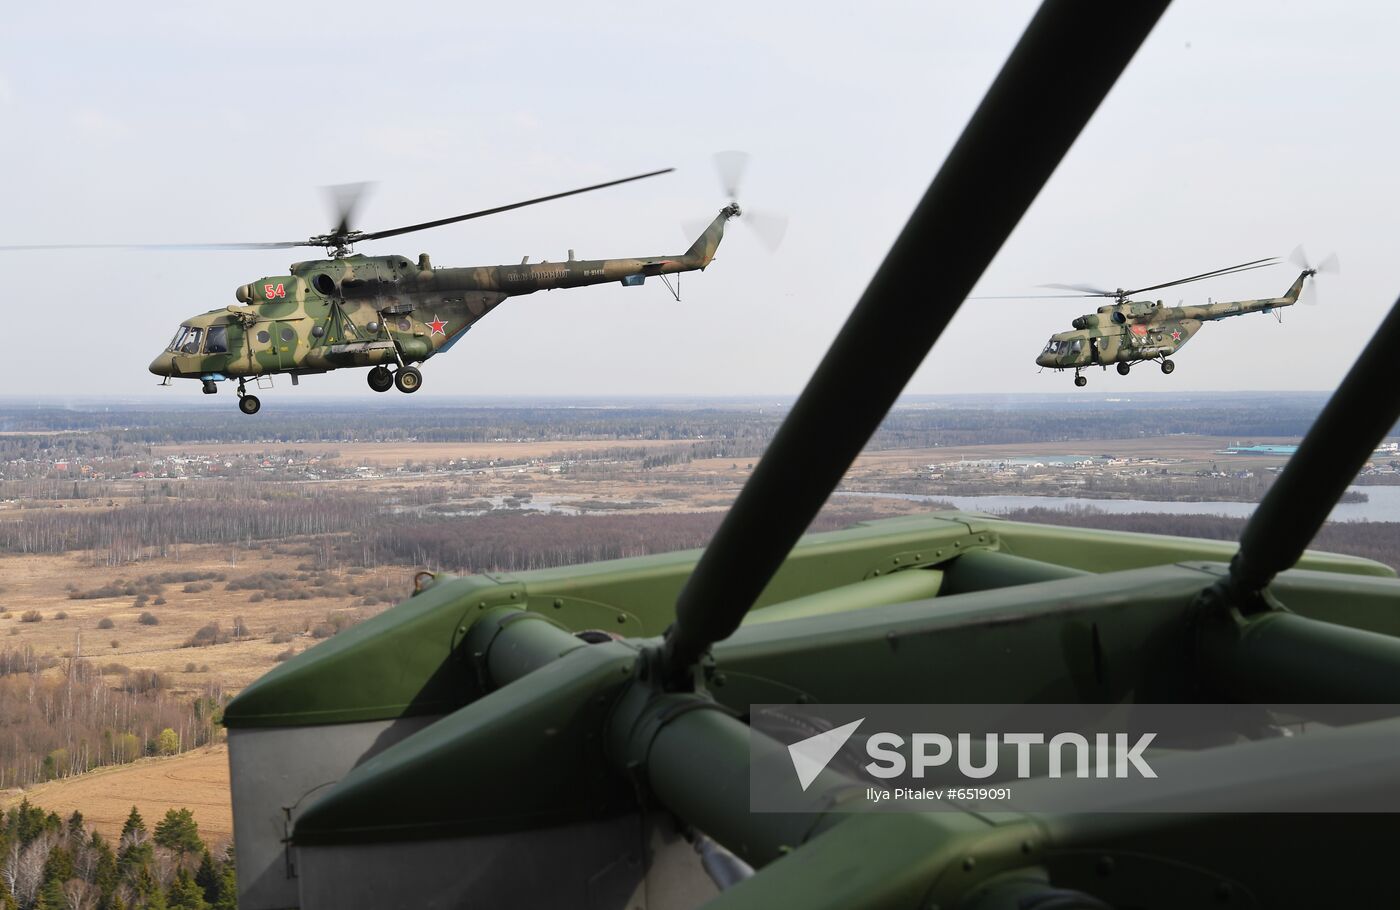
[408, 379]
[1168, 366]
[1081, 381]
[249, 404]
[1123, 369]
[380, 379]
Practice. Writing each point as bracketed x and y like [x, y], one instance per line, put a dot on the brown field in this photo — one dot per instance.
[37, 583]
[197, 780]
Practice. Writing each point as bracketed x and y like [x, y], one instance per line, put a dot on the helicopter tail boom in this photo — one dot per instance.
[1226, 308]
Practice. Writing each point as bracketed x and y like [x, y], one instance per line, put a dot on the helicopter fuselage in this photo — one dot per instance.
[380, 311]
[1133, 331]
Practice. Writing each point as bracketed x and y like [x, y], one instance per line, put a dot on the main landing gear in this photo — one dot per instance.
[248, 404]
[407, 379]
[1168, 366]
[380, 379]
[1123, 369]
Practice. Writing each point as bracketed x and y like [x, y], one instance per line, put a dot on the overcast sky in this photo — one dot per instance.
[1239, 131]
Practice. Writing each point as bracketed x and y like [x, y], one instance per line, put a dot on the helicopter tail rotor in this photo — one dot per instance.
[769, 227]
[1329, 265]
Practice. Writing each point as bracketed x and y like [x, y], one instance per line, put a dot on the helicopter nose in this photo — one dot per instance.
[1045, 360]
[163, 365]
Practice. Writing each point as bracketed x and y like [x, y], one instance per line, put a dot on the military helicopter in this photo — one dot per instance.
[384, 312]
[1128, 332]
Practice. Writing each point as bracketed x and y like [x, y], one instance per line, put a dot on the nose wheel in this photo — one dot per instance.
[1168, 366]
[1080, 381]
[408, 379]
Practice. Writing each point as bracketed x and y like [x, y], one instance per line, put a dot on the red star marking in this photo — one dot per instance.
[1176, 335]
[438, 326]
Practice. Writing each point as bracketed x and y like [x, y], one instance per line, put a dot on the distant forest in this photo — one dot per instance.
[917, 426]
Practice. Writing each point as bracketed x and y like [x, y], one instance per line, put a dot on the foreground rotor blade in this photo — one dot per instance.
[1228, 270]
[1340, 441]
[1069, 57]
[169, 247]
[394, 232]
[1086, 290]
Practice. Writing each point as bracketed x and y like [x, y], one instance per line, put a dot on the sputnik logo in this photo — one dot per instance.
[811, 755]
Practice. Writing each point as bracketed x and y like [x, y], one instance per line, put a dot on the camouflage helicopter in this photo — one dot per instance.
[384, 312]
[1128, 332]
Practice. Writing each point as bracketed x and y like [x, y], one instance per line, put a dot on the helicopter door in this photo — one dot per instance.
[274, 346]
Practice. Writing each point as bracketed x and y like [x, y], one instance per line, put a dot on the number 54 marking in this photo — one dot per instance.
[271, 291]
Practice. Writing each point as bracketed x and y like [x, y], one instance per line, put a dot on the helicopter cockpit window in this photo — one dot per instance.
[1051, 347]
[1076, 346]
[186, 340]
[217, 342]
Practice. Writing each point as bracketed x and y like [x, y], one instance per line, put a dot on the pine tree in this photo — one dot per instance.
[105, 877]
[59, 866]
[51, 896]
[75, 827]
[178, 831]
[208, 878]
[134, 822]
[228, 889]
[184, 893]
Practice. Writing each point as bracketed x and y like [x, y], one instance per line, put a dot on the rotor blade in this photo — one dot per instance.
[1228, 270]
[345, 199]
[394, 232]
[1039, 297]
[1330, 264]
[770, 228]
[1088, 289]
[1299, 258]
[971, 207]
[731, 167]
[169, 247]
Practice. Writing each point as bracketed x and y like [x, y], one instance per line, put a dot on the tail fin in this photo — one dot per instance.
[1296, 289]
[703, 249]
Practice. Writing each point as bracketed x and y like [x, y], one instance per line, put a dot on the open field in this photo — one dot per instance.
[39, 583]
[197, 781]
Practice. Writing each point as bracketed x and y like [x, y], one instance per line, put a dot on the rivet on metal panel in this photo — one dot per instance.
[968, 863]
[558, 602]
